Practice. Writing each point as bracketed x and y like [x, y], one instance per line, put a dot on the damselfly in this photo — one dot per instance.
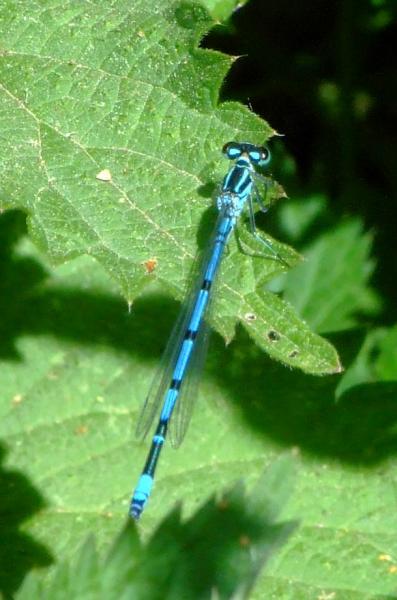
[238, 189]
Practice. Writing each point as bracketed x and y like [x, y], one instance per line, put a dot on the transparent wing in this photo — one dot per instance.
[180, 418]
[163, 376]
[189, 389]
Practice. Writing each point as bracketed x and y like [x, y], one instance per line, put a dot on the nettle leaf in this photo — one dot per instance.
[111, 137]
[330, 289]
[75, 368]
[229, 540]
[362, 346]
[386, 362]
[222, 9]
[299, 214]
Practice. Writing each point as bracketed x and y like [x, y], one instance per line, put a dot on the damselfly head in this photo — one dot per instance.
[258, 155]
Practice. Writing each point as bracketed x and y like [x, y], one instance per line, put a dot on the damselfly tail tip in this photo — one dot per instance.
[135, 511]
[140, 495]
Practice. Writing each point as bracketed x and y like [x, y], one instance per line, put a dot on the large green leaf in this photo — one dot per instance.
[386, 363]
[330, 289]
[111, 143]
[75, 369]
[228, 540]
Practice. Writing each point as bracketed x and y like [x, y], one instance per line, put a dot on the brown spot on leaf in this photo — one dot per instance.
[81, 430]
[150, 265]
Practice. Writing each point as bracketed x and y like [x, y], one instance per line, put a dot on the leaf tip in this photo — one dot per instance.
[275, 133]
[339, 367]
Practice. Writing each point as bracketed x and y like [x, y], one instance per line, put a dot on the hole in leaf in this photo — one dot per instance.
[250, 317]
[273, 336]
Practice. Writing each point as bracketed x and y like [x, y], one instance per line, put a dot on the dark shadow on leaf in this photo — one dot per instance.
[206, 227]
[290, 407]
[298, 410]
[208, 190]
[18, 277]
[19, 552]
[29, 306]
[219, 550]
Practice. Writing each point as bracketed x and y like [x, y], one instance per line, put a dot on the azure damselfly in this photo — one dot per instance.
[238, 189]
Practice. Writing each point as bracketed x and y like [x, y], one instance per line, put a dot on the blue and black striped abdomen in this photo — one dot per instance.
[183, 356]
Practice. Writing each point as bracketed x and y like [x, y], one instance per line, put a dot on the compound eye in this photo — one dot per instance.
[232, 150]
[263, 156]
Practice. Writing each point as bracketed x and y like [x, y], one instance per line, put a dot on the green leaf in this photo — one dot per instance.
[298, 215]
[229, 540]
[75, 369]
[330, 289]
[286, 335]
[222, 9]
[361, 368]
[112, 142]
[386, 363]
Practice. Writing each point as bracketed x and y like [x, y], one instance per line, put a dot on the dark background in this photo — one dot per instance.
[324, 75]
